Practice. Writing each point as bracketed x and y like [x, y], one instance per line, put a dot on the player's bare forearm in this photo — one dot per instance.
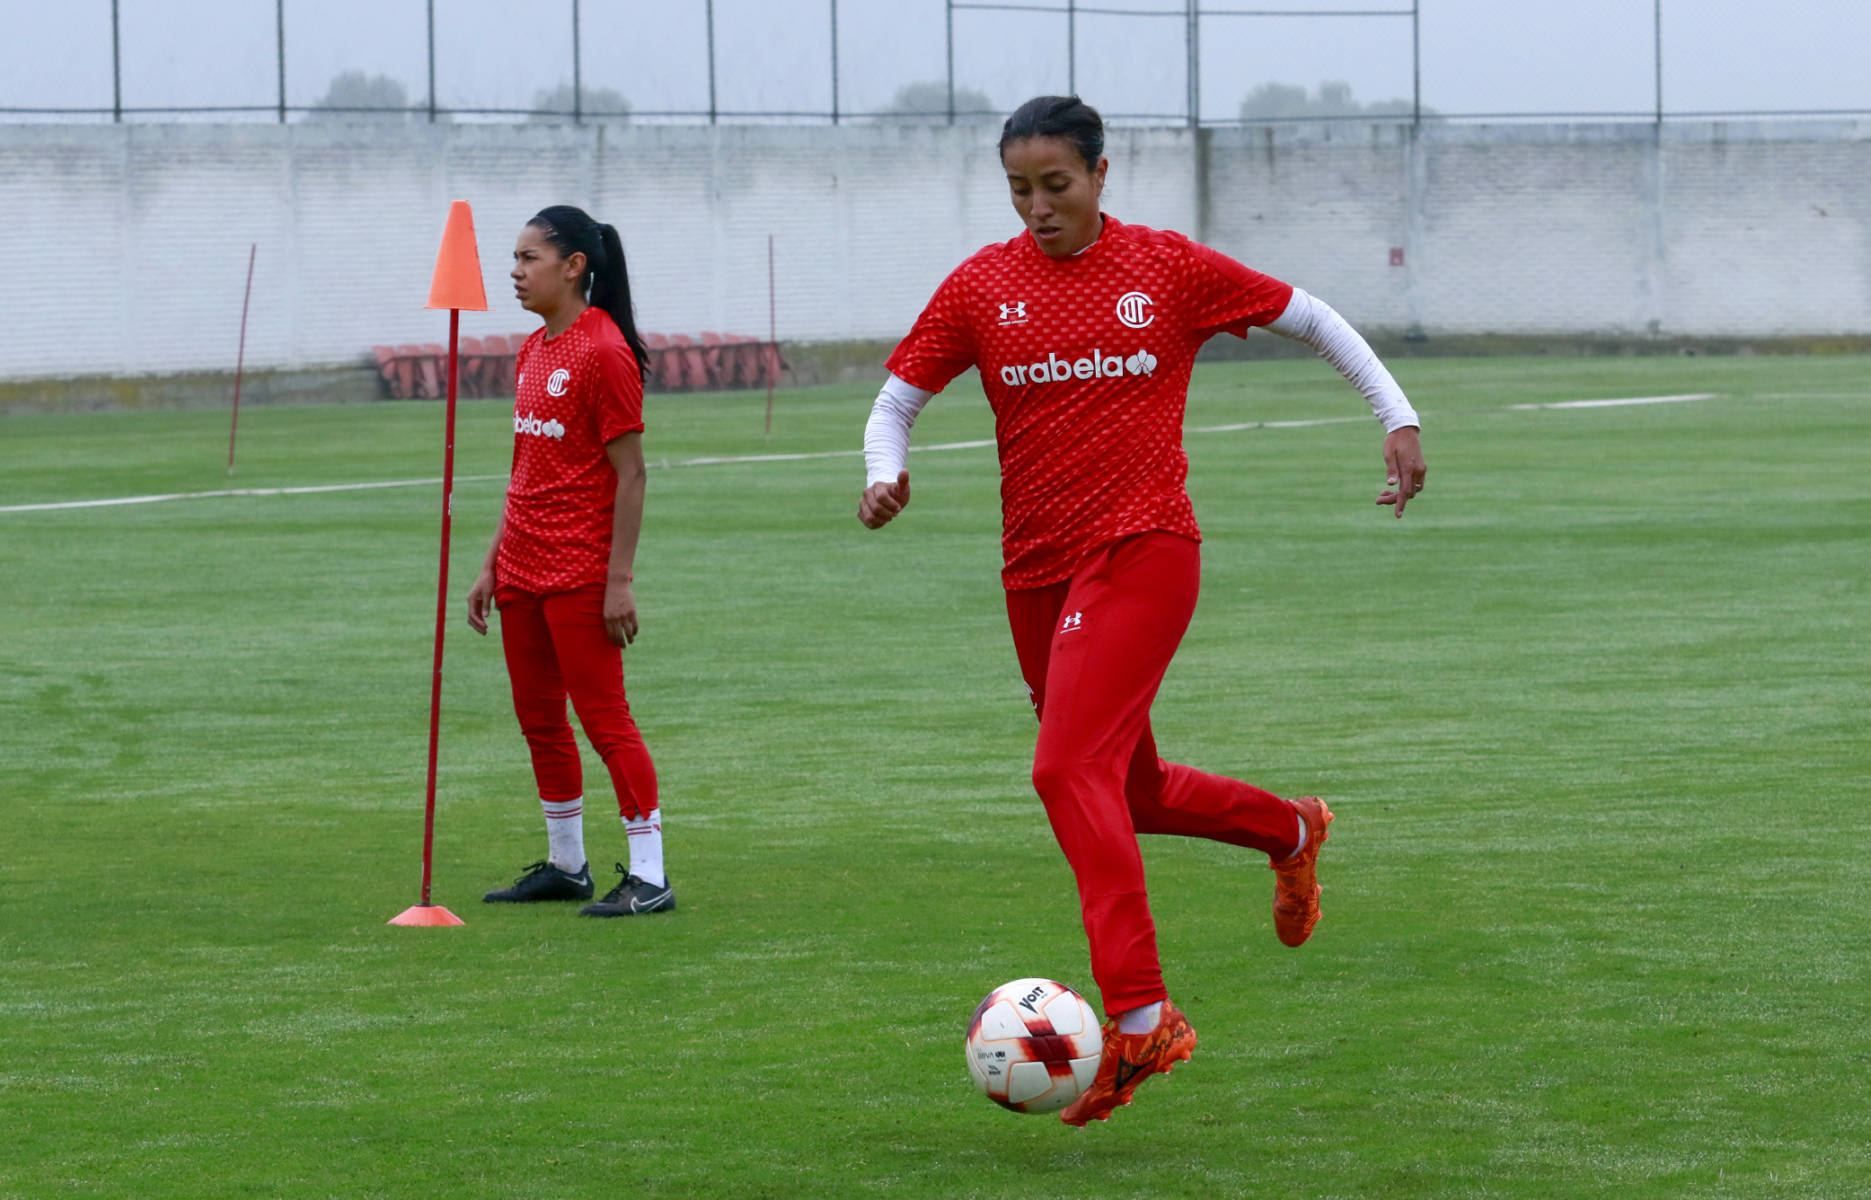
[626, 455]
[620, 598]
[481, 595]
[493, 547]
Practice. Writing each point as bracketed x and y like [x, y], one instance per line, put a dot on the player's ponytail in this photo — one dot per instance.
[610, 291]
[1065, 117]
[606, 281]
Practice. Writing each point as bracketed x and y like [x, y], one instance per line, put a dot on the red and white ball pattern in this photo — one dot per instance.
[1033, 1045]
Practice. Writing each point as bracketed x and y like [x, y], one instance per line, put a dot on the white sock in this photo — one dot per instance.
[646, 847]
[1140, 1020]
[565, 834]
[1301, 844]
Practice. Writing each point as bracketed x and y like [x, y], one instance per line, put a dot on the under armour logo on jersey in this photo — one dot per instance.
[1133, 308]
[1074, 621]
[1014, 313]
[558, 381]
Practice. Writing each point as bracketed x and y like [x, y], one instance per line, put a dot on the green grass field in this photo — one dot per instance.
[1592, 716]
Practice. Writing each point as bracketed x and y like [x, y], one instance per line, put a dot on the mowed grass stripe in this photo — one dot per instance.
[1235, 427]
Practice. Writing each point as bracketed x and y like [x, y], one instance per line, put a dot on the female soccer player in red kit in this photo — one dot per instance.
[1084, 330]
[559, 568]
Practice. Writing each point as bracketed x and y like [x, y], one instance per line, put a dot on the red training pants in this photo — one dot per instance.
[556, 646]
[1093, 649]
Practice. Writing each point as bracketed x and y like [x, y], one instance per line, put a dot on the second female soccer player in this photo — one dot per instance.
[560, 569]
[1085, 330]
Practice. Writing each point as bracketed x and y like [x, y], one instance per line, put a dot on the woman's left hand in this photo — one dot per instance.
[620, 614]
[1405, 468]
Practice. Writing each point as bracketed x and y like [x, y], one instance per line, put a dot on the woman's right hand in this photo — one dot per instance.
[882, 501]
[480, 600]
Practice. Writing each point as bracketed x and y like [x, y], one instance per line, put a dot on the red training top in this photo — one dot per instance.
[1086, 362]
[576, 392]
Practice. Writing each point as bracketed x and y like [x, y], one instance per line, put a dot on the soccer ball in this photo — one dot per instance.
[1033, 1045]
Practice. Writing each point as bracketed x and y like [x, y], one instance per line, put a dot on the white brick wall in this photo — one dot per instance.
[128, 245]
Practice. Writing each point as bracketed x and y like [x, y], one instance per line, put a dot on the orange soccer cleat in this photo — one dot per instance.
[1128, 1060]
[1296, 881]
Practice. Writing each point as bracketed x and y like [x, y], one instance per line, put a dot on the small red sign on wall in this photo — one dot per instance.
[1396, 256]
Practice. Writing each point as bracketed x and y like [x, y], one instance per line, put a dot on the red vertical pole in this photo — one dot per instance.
[455, 286]
[240, 360]
[441, 601]
[773, 340]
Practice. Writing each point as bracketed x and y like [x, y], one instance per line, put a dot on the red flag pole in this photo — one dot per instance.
[773, 339]
[240, 360]
[441, 601]
[457, 285]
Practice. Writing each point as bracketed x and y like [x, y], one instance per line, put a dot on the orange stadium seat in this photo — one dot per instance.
[422, 371]
[694, 369]
[718, 359]
[473, 367]
[747, 360]
[665, 364]
[768, 362]
[397, 373]
[435, 366]
[499, 358]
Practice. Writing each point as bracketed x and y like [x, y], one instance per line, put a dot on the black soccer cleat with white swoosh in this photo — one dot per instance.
[543, 881]
[632, 898]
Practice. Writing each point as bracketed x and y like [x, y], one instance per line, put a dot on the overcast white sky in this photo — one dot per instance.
[1478, 56]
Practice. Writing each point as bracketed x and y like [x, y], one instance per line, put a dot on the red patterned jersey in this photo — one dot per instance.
[576, 392]
[1086, 363]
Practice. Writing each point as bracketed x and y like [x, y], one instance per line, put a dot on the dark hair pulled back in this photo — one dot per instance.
[606, 282]
[1065, 117]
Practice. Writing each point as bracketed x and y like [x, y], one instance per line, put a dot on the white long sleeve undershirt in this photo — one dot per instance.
[1306, 319]
[1312, 321]
[887, 433]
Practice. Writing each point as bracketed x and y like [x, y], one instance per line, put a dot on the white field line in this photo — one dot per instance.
[1272, 425]
[713, 461]
[1621, 403]
[759, 458]
[281, 491]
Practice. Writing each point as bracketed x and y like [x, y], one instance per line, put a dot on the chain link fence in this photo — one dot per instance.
[1162, 62]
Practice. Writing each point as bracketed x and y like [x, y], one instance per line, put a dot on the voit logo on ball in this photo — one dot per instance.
[1096, 365]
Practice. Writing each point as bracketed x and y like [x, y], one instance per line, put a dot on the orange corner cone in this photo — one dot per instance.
[457, 282]
[426, 914]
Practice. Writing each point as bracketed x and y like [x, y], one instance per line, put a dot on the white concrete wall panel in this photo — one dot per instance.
[135, 237]
[1770, 235]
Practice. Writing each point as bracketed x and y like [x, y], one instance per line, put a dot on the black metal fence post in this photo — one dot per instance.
[578, 79]
[279, 28]
[949, 23]
[1658, 36]
[116, 67]
[1194, 38]
[834, 62]
[1416, 62]
[431, 62]
[712, 110]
